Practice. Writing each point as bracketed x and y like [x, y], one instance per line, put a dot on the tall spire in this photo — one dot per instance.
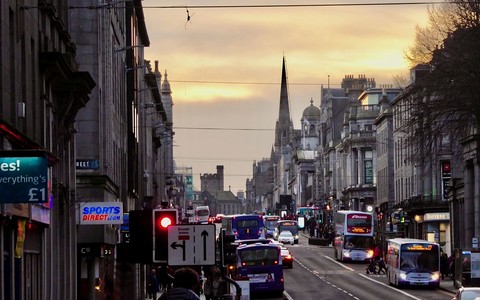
[284, 123]
[284, 115]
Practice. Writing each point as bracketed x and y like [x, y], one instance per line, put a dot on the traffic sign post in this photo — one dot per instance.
[190, 245]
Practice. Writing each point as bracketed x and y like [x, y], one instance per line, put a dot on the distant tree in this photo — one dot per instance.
[445, 101]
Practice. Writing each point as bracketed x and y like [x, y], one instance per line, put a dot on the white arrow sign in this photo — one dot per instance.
[191, 245]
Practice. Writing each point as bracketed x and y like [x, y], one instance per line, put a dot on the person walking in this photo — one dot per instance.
[185, 282]
[153, 286]
[208, 287]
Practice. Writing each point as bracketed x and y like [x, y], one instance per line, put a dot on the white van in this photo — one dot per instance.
[202, 213]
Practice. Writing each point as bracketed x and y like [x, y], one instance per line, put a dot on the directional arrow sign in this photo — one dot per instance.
[191, 245]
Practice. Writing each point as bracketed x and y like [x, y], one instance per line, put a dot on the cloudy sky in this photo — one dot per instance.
[224, 67]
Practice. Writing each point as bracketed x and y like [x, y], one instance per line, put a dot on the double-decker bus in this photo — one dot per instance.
[289, 225]
[353, 235]
[244, 227]
[262, 264]
[413, 262]
[270, 224]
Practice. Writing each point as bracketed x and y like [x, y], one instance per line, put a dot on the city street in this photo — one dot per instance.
[316, 272]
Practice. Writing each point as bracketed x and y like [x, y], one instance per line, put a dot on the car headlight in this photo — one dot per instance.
[435, 276]
[403, 276]
[296, 236]
[346, 254]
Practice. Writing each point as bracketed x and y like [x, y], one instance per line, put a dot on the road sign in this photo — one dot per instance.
[190, 245]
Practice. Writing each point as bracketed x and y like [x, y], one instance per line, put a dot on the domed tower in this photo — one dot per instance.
[310, 127]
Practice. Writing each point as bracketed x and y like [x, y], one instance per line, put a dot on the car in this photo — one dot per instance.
[287, 258]
[467, 293]
[218, 218]
[286, 237]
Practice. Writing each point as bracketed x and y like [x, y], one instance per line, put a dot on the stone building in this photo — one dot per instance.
[42, 91]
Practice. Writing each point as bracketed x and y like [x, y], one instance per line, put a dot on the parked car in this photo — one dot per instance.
[287, 258]
[467, 293]
[286, 237]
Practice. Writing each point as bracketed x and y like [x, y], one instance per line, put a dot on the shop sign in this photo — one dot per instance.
[440, 216]
[101, 213]
[23, 179]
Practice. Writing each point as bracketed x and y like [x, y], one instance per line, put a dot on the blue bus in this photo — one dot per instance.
[262, 264]
[270, 224]
[288, 225]
[244, 227]
[413, 262]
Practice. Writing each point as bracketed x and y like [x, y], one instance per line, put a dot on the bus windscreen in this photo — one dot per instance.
[418, 257]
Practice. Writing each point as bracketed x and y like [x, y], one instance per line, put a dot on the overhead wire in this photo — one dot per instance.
[116, 5]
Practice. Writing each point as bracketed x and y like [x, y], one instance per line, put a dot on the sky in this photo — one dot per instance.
[224, 67]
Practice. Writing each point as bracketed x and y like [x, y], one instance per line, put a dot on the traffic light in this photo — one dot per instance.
[228, 248]
[162, 218]
[138, 249]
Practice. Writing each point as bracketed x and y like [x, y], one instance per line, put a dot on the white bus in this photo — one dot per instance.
[202, 213]
[413, 262]
[353, 235]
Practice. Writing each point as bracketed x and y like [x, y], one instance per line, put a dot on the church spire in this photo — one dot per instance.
[284, 105]
[284, 123]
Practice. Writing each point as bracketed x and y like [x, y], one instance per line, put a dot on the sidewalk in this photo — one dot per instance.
[447, 285]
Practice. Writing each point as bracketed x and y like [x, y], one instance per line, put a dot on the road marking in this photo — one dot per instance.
[390, 287]
[338, 263]
[322, 277]
[287, 296]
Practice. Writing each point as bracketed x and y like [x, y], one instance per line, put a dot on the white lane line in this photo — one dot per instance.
[287, 296]
[338, 263]
[390, 287]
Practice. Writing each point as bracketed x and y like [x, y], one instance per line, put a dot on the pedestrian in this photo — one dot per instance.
[443, 264]
[153, 286]
[377, 253]
[208, 287]
[185, 282]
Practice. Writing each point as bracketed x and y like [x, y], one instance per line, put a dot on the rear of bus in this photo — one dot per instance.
[262, 264]
[246, 227]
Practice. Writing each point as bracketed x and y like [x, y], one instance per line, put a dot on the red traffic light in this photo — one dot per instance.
[162, 218]
[165, 222]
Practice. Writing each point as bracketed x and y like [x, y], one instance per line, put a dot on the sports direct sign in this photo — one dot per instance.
[101, 213]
